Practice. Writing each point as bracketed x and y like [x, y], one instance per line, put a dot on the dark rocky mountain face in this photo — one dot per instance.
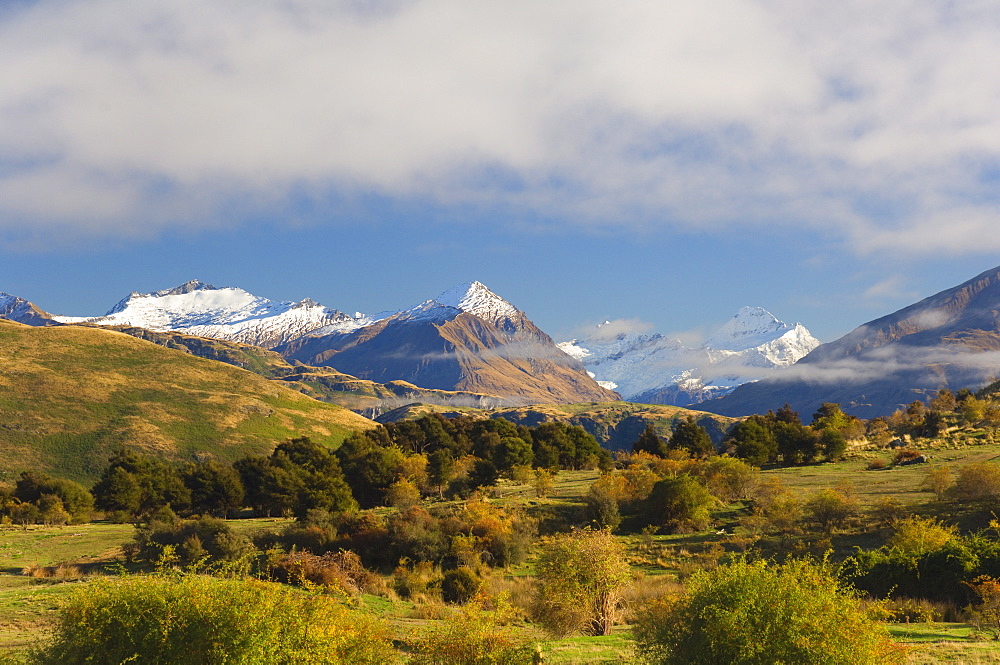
[449, 349]
[949, 340]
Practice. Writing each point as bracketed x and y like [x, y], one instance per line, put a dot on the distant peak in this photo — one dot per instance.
[476, 298]
[753, 315]
[470, 297]
[186, 287]
[463, 293]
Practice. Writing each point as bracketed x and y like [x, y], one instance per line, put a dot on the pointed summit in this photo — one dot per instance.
[749, 327]
[20, 310]
[185, 288]
[475, 298]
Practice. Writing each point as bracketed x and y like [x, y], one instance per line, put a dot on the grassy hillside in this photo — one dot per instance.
[70, 394]
[323, 383]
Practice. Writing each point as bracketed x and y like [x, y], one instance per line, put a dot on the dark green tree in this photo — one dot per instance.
[753, 440]
[76, 500]
[690, 436]
[650, 442]
[679, 503]
[440, 468]
[216, 489]
[369, 468]
[513, 451]
[833, 444]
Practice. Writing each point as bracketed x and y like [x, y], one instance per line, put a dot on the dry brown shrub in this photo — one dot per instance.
[429, 608]
[68, 571]
[336, 570]
[36, 571]
[519, 592]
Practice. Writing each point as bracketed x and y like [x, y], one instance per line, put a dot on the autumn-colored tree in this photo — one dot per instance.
[581, 578]
[939, 479]
[918, 535]
[831, 508]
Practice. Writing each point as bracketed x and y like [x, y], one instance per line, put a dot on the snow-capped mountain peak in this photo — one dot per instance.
[475, 298]
[230, 313]
[749, 327]
[650, 367]
[18, 309]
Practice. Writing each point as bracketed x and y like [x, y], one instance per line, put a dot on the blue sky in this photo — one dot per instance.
[663, 163]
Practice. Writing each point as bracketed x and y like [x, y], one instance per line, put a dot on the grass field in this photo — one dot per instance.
[28, 605]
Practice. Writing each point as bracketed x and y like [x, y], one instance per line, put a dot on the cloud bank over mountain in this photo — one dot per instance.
[875, 125]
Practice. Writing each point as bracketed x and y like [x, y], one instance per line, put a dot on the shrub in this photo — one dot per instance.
[979, 482]
[195, 541]
[460, 585]
[475, 637]
[199, 620]
[601, 508]
[758, 614]
[917, 535]
[337, 570]
[680, 503]
[831, 508]
[581, 578]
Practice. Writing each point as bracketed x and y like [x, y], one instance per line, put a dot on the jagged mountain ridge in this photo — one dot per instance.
[466, 339]
[23, 311]
[654, 369]
[950, 339]
[232, 314]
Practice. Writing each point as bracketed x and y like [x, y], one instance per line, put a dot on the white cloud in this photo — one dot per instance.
[877, 123]
[608, 331]
[891, 288]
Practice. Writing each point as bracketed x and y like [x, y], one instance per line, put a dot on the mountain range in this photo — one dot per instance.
[467, 340]
[948, 340]
[470, 347]
[654, 369]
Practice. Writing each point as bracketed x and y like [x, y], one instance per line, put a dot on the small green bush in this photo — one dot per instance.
[460, 585]
[760, 614]
[199, 620]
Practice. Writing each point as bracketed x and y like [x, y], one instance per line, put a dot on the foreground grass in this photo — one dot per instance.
[80, 544]
[946, 643]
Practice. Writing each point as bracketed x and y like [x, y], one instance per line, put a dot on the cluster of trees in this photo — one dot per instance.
[475, 534]
[38, 498]
[781, 438]
[396, 463]
[931, 419]
[675, 493]
[134, 484]
[687, 436]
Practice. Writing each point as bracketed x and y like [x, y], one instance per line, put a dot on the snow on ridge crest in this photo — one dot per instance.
[751, 344]
[228, 313]
[476, 298]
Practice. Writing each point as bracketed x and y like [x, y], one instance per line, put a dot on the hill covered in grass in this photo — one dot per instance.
[323, 383]
[69, 395]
